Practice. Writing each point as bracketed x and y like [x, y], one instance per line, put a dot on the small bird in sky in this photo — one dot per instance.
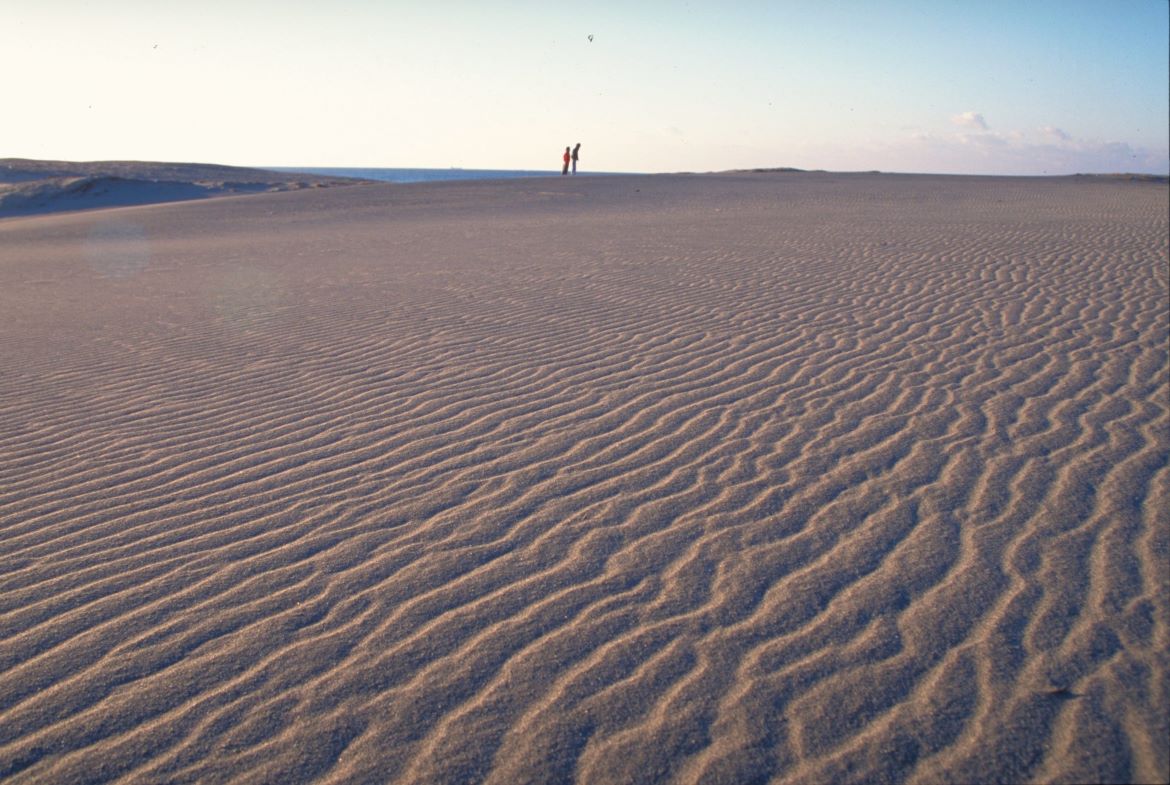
[591, 38]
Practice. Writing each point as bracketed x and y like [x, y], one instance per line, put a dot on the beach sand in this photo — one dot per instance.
[794, 478]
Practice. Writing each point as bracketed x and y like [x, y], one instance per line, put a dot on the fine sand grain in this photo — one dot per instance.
[741, 478]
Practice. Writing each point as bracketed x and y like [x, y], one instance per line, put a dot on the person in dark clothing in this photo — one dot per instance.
[575, 149]
[567, 156]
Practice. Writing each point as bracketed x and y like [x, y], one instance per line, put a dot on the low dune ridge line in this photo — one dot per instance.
[29, 187]
[737, 478]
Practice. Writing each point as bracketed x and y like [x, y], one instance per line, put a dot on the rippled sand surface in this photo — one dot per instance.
[727, 478]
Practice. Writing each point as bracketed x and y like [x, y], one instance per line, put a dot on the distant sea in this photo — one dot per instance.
[427, 175]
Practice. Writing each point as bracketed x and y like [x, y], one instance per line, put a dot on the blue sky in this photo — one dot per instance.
[987, 88]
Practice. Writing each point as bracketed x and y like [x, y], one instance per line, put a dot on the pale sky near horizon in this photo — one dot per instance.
[993, 87]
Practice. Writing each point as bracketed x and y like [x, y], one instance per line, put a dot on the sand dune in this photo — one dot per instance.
[742, 478]
[30, 187]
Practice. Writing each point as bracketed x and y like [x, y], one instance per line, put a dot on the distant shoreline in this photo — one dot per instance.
[429, 175]
[31, 187]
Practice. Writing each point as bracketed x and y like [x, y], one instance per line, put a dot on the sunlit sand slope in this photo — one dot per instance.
[30, 187]
[744, 478]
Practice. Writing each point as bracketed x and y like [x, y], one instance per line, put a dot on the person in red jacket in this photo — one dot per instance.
[568, 156]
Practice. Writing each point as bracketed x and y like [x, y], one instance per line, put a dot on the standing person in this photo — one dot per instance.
[575, 149]
[565, 168]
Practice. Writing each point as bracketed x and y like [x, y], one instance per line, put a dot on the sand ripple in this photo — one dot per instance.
[726, 479]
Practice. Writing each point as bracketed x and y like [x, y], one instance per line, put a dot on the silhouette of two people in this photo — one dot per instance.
[570, 156]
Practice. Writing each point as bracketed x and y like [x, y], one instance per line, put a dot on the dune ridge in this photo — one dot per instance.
[32, 187]
[735, 478]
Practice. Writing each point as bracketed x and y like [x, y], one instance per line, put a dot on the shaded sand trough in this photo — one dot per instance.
[729, 478]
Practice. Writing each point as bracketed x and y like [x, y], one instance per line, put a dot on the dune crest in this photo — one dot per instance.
[29, 187]
[729, 478]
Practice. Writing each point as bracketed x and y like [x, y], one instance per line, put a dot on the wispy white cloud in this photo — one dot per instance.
[970, 120]
[1052, 132]
[974, 148]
